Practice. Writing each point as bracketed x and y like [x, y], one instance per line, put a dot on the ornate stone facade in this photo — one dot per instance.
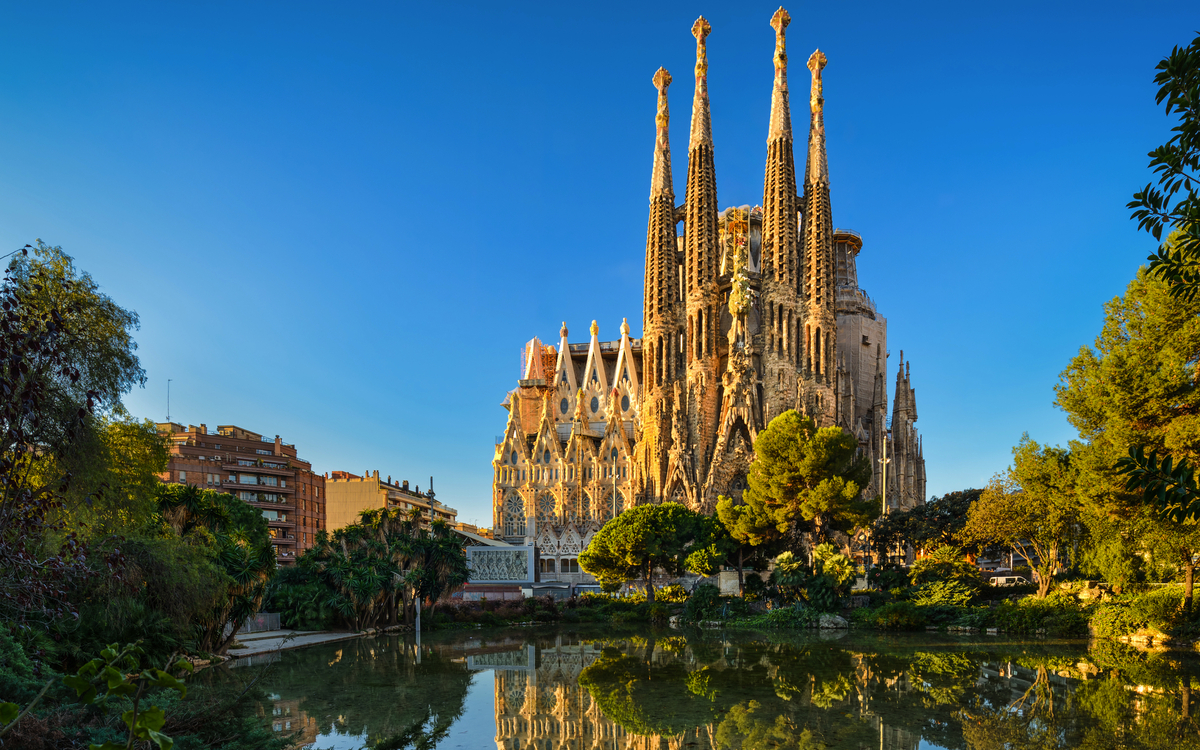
[747, 312]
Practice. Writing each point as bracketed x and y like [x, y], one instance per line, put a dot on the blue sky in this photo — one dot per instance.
[340, 223]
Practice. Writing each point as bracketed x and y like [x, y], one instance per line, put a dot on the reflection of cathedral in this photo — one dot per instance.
[544, 706]
[540, 703]
[747, 313]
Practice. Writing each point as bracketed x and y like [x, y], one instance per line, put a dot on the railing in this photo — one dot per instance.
[261, 622]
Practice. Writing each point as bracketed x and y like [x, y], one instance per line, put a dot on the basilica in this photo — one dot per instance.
[747, 312]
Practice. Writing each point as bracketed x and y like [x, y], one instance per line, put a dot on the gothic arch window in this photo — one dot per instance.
[514, 515]
[544, 509]
[585, 507]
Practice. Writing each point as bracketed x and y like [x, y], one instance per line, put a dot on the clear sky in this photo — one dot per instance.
[340, 222]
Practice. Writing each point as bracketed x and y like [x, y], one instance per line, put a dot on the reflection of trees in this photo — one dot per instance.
[645, 697]
[371, 686]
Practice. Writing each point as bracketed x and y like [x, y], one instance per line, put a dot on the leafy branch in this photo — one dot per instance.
[1175, 202]
[1167, 484]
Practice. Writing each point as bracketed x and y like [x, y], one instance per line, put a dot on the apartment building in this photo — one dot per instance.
[350, 494]
[266, 473]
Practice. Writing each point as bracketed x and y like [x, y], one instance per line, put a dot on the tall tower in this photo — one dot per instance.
[780, 266]
[701, 264]
[662, 309]
[817, 285]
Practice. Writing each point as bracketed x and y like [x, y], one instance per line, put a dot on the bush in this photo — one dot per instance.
[754, 588]
[945, 564]
[893, 616]
[954, 593]
[703, 604]
[673, 594]
[1057, 614]
[783, 618]
[887, 577]
[1160, 609]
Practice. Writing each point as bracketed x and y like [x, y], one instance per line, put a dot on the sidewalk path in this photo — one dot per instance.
[277, 640]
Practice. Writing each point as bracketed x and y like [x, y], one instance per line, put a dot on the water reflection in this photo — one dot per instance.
[584, 690]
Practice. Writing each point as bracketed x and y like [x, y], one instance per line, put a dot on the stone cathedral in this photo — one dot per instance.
[747, 312]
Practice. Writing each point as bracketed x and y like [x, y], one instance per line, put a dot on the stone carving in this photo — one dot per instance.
[498, 564]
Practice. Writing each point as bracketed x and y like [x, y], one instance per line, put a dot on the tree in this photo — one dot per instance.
[1032, 507]
[242, 542]
[802, 474]
[1136, 389]
[753, 531]
[1175, 202]
[929, 526]
[666, 537]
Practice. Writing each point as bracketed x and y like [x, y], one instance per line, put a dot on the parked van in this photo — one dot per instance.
[1009, 581]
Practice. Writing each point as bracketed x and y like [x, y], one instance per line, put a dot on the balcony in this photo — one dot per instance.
[235, 486]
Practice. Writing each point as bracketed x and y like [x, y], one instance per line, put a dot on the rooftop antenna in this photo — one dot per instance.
[168, 399]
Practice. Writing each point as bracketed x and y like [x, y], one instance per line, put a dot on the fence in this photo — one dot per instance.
[260, 622]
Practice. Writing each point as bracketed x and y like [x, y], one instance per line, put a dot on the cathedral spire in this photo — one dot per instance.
[781, 116]
[818, 265]
[662, 275]
[818, 164]
[701, 117]
[779, 184]
[701, 200]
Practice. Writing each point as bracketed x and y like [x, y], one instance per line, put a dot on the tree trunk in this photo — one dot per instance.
[649, 583]
[391, 607]
[741, 580]
[1189, 578]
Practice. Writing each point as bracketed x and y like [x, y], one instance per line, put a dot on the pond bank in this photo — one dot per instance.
[281, 640]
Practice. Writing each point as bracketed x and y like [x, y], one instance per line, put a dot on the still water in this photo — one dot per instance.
[616, 688]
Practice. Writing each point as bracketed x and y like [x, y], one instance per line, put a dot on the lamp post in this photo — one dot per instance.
[883, 464]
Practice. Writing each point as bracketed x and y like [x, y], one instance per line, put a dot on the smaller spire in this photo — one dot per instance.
[595, 329]
[818, 163]
[660, 180]
[781, 117]
[624, 327]
[562, 332]
[701, 116]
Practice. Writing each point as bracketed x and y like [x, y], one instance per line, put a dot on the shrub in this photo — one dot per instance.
[783, 618]
[945, 564]
[754, 588]
[673, 594]
[1057, 614]
[953, 592]
[1159, 609]
[703, 604]
[887, 577]
[893, 616]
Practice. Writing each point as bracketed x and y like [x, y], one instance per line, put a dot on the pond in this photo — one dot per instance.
[617, 688]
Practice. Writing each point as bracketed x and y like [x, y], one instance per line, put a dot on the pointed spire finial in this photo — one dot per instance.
[624, 326]
[781, 115]
[780, 22]
[595, 329]
[816, 63]
[563, 331]
[701, 117]
[660, 180]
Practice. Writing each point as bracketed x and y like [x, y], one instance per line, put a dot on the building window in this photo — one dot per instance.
[247, 479]
[569, 565]
[514, 516]
[547, 565]
[183, 476]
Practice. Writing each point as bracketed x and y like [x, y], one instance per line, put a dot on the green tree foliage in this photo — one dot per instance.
[1032, 507]
[96, 341]
[1175, 202]
[646, 538]
[241, 543]
[372, 573]
[1135, 389]
[753, 531]
[924, 527]
[946, 563]
[807, 480]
